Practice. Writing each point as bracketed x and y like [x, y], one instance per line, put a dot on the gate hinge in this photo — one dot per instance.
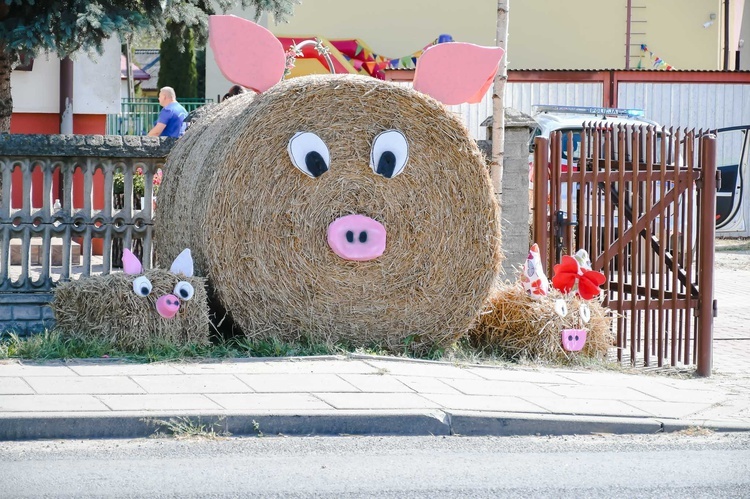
[718, 180]
[715, 308]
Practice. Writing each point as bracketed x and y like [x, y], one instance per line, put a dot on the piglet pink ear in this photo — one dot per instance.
[130, 263]
[246, 53]
[456, 72]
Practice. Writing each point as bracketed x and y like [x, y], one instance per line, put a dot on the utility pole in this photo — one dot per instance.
[129, 65]
[498, 108]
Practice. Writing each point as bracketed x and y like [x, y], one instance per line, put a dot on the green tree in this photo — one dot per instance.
[66, 26]
[177, 65]
[200, 62]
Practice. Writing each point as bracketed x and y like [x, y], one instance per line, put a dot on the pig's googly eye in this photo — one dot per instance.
[184, 290]
[142, 286]
[309, 154]
[584, 313]
[561, 308]
[390, 152]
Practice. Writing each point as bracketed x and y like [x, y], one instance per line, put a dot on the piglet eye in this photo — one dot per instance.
[184, 290]
[309, 154]
[142, 286]
[390, 152]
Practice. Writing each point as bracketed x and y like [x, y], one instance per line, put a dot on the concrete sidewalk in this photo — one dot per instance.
[355, 395]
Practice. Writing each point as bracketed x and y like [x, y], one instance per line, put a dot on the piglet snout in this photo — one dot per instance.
[168, 306]
[357, 237]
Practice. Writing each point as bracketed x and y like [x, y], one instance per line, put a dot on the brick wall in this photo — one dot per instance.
[25, 313]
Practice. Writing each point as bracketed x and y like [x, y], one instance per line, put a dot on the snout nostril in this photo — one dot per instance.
[363, 237]
[350, 236]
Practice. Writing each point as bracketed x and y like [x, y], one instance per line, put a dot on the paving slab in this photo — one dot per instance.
[600, 392]
[484, 403]
[422, 384]
[160, 402]
[529, 376]
[285, 383]
[376, 383]
[591, 407]
[192, 383]
[120, 369]
[429, 369]
[13, 368]
[672, 410]
[80, 384]
[366, 401]
[50, 403]
[320, 365]
[269, 402]
[15, 386]
[501, 388]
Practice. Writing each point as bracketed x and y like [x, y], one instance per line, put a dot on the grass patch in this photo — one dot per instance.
[184, 427]
[52, 345]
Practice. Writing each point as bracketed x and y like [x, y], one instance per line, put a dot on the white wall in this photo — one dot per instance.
[96, 83]
[394, 28]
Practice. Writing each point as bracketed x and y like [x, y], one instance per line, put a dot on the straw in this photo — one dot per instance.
[523, 328]
[106, 307]
[257, 226]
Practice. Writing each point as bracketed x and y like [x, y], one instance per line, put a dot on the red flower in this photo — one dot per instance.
[568, 274]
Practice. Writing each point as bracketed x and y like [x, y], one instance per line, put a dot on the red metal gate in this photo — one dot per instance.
[641, 201]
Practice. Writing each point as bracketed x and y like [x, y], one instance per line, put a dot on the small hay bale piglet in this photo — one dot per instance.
[337, 207]
[134, 309]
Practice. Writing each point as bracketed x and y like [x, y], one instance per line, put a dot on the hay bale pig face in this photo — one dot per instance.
[136, 308]
[340, 207]
[167, 303]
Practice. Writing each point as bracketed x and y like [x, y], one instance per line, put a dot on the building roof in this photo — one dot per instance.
[138, 73]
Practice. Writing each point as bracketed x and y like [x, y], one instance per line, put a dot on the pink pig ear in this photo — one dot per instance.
[455, 72]
[246, 53]
[130, 263]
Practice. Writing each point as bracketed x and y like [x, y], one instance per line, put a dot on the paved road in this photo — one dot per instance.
[663, 466]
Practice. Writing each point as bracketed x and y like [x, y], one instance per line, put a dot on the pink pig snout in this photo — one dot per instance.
[573, 339]
[357, 237]
[168, 306]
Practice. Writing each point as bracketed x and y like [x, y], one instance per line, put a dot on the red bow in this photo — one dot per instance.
[568, 273]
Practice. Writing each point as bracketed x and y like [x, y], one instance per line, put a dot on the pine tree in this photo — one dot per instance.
[66, 26]
[200, 62]
[177, 65]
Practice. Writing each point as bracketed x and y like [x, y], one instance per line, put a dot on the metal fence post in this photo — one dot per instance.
[541, 169]
[706, 251]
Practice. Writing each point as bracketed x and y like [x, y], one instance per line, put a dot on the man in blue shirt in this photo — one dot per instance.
[171, 118]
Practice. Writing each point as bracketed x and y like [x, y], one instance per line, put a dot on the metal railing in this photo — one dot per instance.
[642, 203]
[138, 115]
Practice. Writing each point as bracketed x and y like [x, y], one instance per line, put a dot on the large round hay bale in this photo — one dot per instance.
[522, 328]
[258, 226]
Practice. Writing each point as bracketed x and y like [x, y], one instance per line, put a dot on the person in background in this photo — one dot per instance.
[172, 116]
[235, 90]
